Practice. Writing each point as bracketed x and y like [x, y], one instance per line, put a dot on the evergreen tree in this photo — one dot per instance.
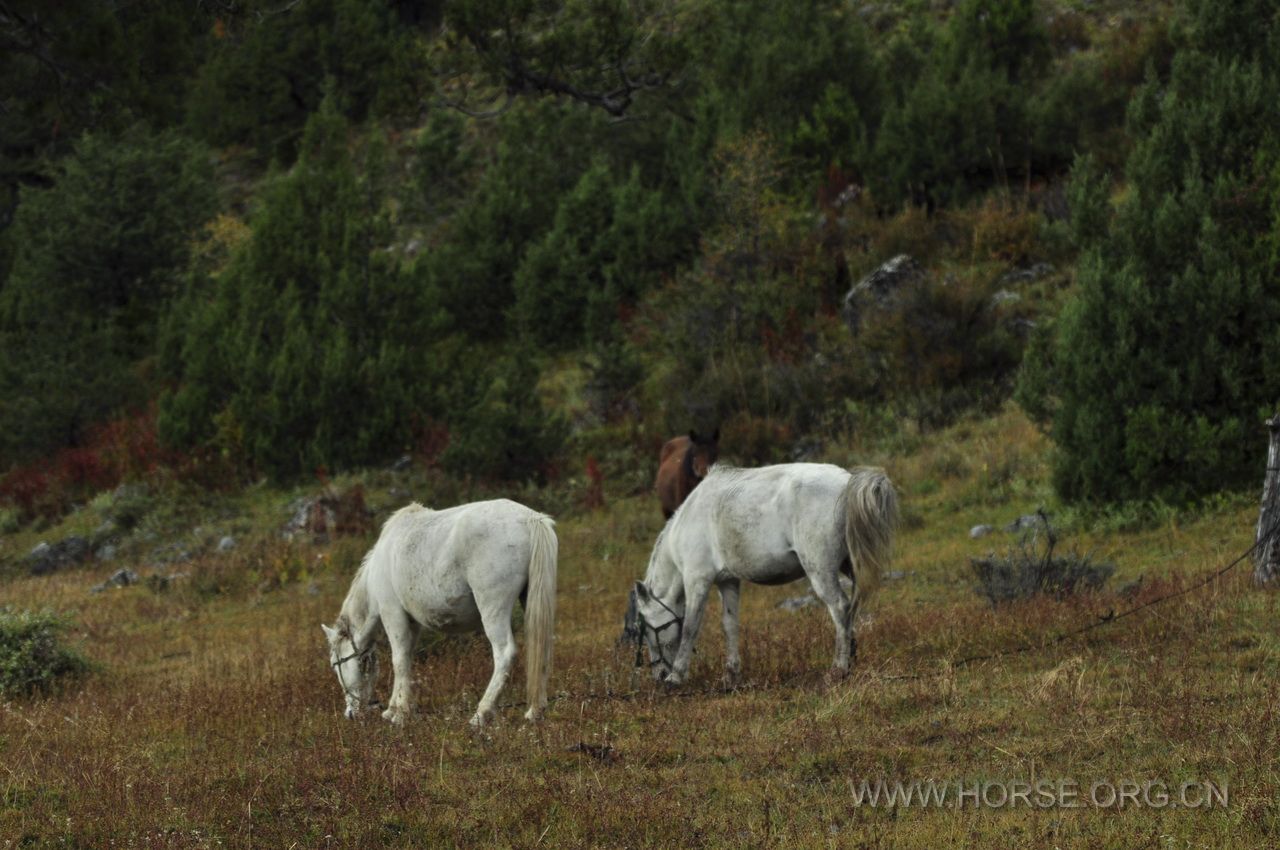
[96, 262]
[608, 243]
[1164, 364]
[314, 344]
[960, 119]
[268, 70]
[535, 162]
[78, 66]
[501, 431]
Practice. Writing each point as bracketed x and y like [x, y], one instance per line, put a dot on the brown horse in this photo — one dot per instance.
[684, 462]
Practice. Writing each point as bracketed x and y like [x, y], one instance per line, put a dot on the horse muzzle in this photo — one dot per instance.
[353, 713]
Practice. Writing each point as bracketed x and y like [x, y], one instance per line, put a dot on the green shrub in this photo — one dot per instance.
[941, 347]
[32, 657]
[1030, 568]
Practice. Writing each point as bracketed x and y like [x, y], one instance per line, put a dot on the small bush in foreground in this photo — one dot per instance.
[1026, 571]
[32, 658]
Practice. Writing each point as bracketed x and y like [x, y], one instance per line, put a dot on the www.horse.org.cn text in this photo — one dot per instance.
[1040, 794]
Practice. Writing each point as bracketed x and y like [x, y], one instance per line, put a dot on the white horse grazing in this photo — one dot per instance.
[456, 570]
[770, 525]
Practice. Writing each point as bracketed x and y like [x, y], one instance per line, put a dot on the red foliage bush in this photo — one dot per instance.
[122, 448]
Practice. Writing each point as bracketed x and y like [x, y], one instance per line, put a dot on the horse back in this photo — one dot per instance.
[445, 565]
[760, 519]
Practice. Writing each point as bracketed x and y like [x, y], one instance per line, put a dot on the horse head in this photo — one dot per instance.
[703, 453]
[656, 625]
[356, 668]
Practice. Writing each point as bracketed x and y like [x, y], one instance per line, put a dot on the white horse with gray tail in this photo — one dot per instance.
[771, 525]
[455, 570]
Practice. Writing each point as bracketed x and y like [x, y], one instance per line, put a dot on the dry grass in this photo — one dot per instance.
[216, 722]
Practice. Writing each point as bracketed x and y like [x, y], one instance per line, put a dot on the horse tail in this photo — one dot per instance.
[871, 516]
[540, 612]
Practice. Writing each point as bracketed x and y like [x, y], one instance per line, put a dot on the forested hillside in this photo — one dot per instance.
[273, 270]
[270, 238]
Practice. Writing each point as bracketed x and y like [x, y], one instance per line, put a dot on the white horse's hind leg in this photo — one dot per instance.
[401, 634]
[497, 627]
[729, 592]
[826, 586]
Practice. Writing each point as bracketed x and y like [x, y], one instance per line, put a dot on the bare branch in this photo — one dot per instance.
[488, 113]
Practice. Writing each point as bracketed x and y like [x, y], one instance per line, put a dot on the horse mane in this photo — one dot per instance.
[726, 475]
[657, 547]
[355, 608]
[720, 470]
[356, 604]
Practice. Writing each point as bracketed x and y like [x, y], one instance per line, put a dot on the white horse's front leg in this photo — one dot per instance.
[401, 635]
[729, 592]
[695, 595]
[497, 628]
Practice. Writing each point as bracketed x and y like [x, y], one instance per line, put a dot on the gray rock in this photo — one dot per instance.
[47, 558]
[980, 531]
[106, 552]
[879, 289]
[309, 515]
[120, 578]
[1017, 276]
[795, 603]
[895, 575]
[226, 544]
[402, 463]
[1005, 296]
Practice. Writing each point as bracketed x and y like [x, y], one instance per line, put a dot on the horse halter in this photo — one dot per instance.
[363, 655]
[676, 620]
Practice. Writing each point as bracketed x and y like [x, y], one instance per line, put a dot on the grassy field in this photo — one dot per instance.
[213, 719]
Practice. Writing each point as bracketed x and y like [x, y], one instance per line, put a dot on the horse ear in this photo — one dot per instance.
[693, 436]
[715, 435]
[330, 634]
[642, 592]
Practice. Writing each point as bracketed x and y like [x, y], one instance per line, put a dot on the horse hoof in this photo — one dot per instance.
[394, 717]
[836, 675]
[480, 719]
